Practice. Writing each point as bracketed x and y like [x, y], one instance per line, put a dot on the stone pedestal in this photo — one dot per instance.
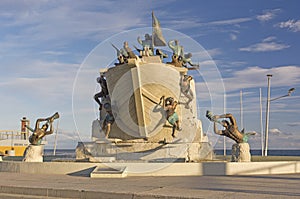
[34, 153]
[240, 153]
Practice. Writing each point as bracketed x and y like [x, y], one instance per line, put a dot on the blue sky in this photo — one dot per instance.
[44, 45]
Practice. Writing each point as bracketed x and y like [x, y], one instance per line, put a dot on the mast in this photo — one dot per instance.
[157, 37]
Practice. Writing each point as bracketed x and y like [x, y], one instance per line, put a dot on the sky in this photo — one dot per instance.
[46, 48]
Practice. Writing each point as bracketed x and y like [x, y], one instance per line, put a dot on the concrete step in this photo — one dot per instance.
[18, 196]
[107, 172]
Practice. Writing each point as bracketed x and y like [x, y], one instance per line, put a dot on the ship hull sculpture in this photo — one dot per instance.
[150, 113]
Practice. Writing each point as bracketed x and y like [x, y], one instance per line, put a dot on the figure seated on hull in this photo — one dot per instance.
[108, 121]
[231, 129]
[147, 45]
[172, 117]
[179, 59]
[176, 48]
[185, 88]
[40, 132]
[176, 61]
[104, 90]
[124, 53]
[119, 56]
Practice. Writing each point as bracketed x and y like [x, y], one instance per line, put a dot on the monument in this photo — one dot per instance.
[151, 109]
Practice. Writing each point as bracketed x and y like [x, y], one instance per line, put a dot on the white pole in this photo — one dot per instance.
[224, 137]
[55, 141]
[241, 110]
[267, 116]
[261, 124]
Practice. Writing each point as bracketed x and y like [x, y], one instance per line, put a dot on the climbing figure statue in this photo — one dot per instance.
[170, 106]
[104, 90]
[185, 88]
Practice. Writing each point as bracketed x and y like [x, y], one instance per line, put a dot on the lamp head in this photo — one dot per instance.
[290, 91]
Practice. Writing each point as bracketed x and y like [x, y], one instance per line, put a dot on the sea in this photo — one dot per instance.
[257, 152]
[70, 153]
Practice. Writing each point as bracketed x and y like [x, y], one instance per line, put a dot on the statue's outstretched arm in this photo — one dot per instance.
[140, 40]
[170, 44]
[232, 119]
[192, 64]
[38, 121]
[29, 128]
[217, 131]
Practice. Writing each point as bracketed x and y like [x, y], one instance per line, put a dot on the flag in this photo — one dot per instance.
[157, 37]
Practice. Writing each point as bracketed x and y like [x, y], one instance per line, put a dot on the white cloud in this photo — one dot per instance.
[267, 15]
[293, 124]
[291, 25]
[230, 21]
[58, 23]
[269, 39]
[233, 37]
[275, 131]
[268, 44]
[282, 76]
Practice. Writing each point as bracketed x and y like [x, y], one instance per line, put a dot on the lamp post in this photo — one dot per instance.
[268, 112]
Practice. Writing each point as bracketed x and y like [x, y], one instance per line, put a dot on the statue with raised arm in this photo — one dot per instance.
[185, 88]
[147, 45]
[176, 48]
[172, 117]
[104, 90]
[230, 127]
[40, 132]
[241, 150]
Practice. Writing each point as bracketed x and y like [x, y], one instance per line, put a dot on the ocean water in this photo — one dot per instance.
[70, 153]
[61, 153]
[270, 152]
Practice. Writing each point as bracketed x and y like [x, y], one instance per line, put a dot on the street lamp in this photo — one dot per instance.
[268, 112]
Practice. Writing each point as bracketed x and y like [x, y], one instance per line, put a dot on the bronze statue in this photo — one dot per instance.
[104, 90]
[147, 45]
[109, 119]
[186, 59]
[231, 129]
[170, 106]
[126, 51]
[40, 132]
[185, 88]
[176, 48]
[119, 55]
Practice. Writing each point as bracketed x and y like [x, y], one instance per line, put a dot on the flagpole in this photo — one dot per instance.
[261, 123]
[152, 38]
[224, 137]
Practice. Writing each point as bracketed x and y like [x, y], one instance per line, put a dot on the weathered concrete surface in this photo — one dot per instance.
[157, 169]
[34, 153]
[240, 153]
[21, 185]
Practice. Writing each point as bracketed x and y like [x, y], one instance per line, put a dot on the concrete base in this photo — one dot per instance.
[176, 151]
[34, 153]
[240, 153]
[155, 169]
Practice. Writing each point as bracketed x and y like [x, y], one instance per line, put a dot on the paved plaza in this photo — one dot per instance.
[23, 185]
